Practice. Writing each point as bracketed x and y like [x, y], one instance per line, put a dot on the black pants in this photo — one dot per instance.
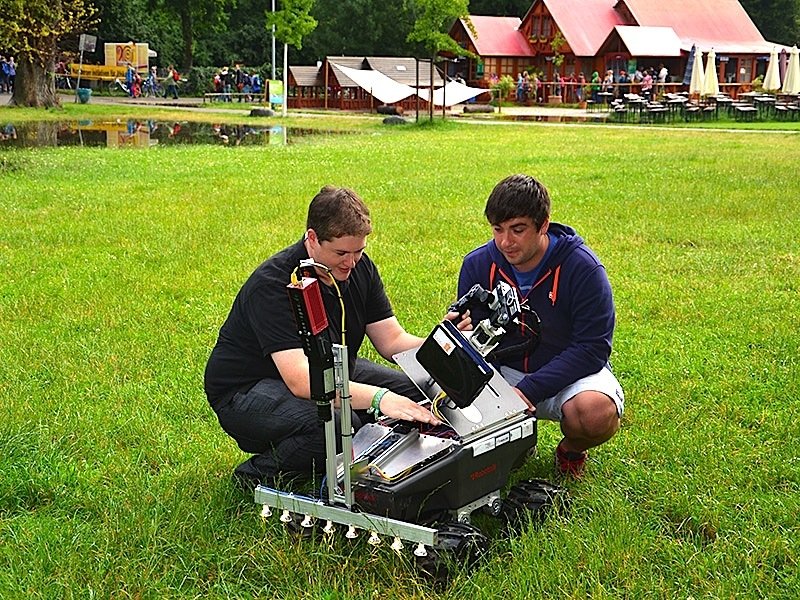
[284, 432]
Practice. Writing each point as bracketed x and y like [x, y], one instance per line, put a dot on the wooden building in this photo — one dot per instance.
[573, 36]
[328, 86]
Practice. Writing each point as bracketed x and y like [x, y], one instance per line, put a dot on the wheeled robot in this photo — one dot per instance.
[412, 482]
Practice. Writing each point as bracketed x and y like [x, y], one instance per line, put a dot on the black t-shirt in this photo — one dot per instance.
[261, 321]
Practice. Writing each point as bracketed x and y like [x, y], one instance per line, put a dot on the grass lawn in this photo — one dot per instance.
[118, 267]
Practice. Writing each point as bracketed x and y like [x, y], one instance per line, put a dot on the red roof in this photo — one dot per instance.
[584, 23]
[497, 36]
[721, 24]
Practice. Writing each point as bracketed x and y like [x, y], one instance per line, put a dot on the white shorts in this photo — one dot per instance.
[550, 409]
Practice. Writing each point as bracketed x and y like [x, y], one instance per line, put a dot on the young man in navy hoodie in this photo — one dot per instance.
[568, 377]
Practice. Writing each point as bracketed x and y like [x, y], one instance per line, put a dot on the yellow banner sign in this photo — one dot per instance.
[98, 72]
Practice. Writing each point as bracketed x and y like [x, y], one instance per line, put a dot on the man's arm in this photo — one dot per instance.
[293, 368]
[389, 337]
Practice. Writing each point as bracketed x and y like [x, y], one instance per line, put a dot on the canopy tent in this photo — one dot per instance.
[452, 93]
[772, 80]
[791, 83]
[389, 91]
[379, 85]
[711, 81]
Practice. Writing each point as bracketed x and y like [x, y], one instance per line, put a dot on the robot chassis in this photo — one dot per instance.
[406, 480]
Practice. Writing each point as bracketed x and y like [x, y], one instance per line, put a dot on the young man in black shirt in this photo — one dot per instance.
[257, 378]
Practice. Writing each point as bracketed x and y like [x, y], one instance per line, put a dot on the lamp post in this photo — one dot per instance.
[273, 43]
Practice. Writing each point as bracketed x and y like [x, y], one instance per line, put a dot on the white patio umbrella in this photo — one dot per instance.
[791, 83]
[711, 82]
[772, 80]
[696, 84]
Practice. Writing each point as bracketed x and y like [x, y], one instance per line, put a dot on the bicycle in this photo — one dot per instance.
[120, 88]
[63, 82]
[152, 89]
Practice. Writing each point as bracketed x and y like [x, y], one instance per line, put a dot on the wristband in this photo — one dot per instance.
[375, 406]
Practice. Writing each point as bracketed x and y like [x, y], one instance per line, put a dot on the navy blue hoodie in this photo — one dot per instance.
[572, 297]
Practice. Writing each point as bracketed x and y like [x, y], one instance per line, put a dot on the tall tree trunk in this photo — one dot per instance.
[34, 85]
[187, 30]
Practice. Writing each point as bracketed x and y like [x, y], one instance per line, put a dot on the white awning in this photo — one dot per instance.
[650, 41]
[452, 93]
[379, 85]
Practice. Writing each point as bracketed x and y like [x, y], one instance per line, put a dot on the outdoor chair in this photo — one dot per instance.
[709, 113]
[746, 113]
[691, 112]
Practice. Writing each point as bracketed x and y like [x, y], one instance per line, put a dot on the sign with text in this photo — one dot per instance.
[87, 43]
[275, 91]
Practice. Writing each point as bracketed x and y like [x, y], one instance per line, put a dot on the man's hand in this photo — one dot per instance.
[465, 322]
[399, 407]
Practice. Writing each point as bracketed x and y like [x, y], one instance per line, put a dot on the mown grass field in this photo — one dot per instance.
[118, 267]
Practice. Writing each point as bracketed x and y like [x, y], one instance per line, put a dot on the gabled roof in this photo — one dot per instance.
[721, 24]
[307, 76]
[404, 69]
[497, 36]
[352, 62]
[398, 68]
[585, 24]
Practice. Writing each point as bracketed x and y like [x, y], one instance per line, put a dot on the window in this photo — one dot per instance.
[547, 27]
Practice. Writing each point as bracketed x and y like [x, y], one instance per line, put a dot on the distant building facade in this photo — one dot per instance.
[568, 37]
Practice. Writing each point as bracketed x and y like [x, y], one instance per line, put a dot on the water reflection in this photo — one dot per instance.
[146, 133]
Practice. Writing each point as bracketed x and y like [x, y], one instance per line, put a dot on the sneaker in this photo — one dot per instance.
[570, 463]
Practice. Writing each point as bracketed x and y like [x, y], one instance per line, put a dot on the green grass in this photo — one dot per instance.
[117, 269]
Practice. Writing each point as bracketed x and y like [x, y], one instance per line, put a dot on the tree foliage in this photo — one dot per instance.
[293, 21]
[132, 20]
[209, 14]
[500, 8]
[31, 29]
[778, 20]
[358, 27]
[432, 21]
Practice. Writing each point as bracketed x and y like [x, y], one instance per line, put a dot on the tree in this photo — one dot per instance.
[31, 30]
[500, 8]
[292, 23]
[778, 20]
[210, 13]
[243, 37]
[358, 28]
[134, 20]
[432, 21]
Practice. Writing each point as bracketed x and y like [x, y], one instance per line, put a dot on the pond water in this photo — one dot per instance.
[146, 133]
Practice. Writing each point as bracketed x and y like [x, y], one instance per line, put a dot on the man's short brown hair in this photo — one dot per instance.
[337, 212]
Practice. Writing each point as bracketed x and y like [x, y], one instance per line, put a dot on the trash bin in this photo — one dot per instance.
[84, 94]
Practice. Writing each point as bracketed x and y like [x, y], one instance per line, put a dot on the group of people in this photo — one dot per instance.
[529, 87]
[257, 376]
[576, 88]
[136, 84]
[651, 81]
[8, 73]
[243, 83]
